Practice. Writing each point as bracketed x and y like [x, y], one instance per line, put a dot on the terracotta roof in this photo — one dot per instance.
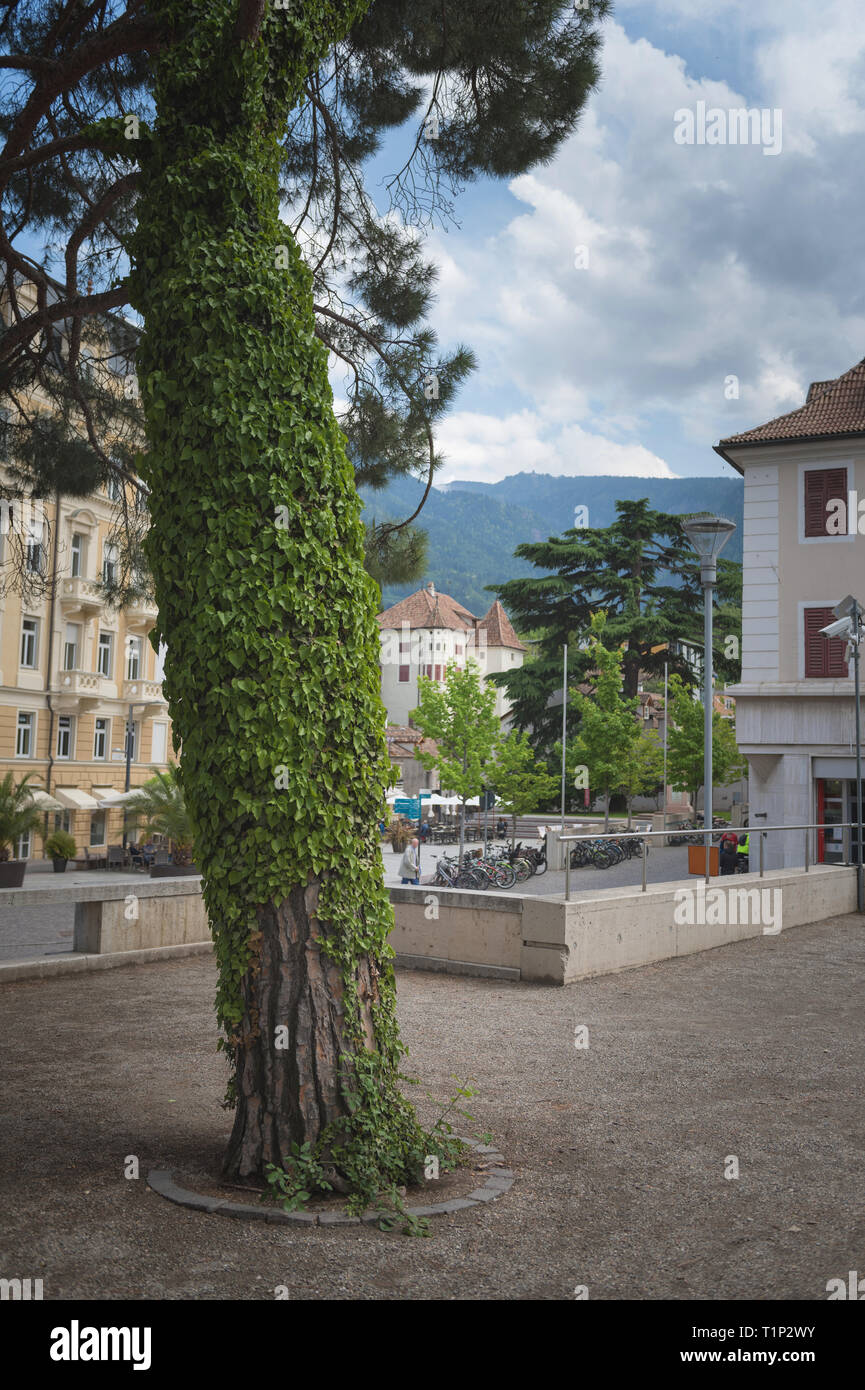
[499, 629]
[426, 608]
[832, 408]
[406, 742]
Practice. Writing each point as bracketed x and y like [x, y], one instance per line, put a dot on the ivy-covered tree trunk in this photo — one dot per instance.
[256, 546]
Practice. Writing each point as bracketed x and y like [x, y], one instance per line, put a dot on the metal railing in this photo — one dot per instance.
[759, 831]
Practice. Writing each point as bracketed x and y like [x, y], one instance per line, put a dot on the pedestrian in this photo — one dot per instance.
[410, 865]
[728, 847]
[742, 850]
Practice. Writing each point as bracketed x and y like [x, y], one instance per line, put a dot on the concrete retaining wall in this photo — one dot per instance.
[500, 935]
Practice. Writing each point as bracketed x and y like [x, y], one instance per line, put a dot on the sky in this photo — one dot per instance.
[715, 280]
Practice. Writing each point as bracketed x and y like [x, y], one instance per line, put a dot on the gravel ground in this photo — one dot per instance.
[753, 1050]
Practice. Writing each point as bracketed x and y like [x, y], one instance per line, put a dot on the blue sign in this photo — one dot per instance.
[405, 807]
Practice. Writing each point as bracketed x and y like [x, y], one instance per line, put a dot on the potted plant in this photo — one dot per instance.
[398, 835]
[61, 848]
[18, 816]
[161, 806]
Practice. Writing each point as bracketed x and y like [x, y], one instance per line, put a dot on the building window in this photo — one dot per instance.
[109, 563]
[403, 673]
[133, 658]
[64, 736]
[822, 486]
[458, 649]
[29, 642]
[22, 846]
[63, 821]
[100, 740]
[71, 647]
[823, 656]
[438, 674]
[158, 743]
[114, 488]
[134, 740]
[140, 500]
[24, 736]
[97, 828]
[35, 551]
[105, 657]
[77, 555]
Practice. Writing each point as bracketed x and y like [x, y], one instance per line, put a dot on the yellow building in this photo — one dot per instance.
[75, 671]
[71, 667]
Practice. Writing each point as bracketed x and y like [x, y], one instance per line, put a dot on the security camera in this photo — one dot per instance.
[842, 627]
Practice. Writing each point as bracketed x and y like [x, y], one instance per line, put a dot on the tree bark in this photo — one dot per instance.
[292, 1037]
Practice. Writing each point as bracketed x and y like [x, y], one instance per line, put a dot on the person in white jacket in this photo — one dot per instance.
[410, 864]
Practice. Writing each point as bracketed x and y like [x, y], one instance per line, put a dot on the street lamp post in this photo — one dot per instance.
[849, 615]
[708, 535]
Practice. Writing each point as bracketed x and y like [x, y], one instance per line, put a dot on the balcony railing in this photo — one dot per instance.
[754, 832]
[138, 690]
[81, 594]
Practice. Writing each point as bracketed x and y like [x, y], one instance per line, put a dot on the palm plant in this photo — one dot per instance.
[18, 815]
[161, 806]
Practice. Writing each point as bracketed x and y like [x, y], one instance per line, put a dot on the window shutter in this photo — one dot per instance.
[823, 657]
[822, 485]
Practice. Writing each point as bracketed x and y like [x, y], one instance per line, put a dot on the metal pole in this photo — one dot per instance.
[860, 885]
[665, 729]
[564, 730]
[760, 839]
[708, 579]
[128, 764]
[807, 850]
[645, 852]
[567, 873]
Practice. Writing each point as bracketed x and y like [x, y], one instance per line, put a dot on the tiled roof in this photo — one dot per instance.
[426, 608]
[832, 408]
[403, 741]
[499, 629]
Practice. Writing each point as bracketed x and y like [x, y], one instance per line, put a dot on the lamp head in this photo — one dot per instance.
[708, 534]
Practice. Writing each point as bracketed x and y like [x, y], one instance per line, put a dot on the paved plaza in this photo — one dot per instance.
[620, 1149]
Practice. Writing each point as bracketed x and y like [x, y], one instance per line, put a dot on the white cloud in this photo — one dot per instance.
[704, 261]
[484, 448]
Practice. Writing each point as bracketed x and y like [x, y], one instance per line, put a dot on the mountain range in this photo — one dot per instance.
[474, 528]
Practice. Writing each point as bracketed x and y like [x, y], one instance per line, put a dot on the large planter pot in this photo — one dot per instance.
[173, 870]
[12, 873]
[60, 865]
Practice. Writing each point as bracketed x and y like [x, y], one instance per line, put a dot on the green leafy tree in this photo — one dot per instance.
[156, 145]
[18, 815]
[521, 783]
[644, 771]
[609, 731]
[460, 716]
[160, 805]
[625, 570]
[685, 744]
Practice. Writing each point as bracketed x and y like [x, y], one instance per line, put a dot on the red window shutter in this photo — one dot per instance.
[823, 656]
[403, 673]
[438, 673]
[822, 486]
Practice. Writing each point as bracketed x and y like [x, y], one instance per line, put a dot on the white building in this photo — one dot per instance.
[426, 633]
[802, 554]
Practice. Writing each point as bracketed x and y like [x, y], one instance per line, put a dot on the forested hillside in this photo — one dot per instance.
[474, 528]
